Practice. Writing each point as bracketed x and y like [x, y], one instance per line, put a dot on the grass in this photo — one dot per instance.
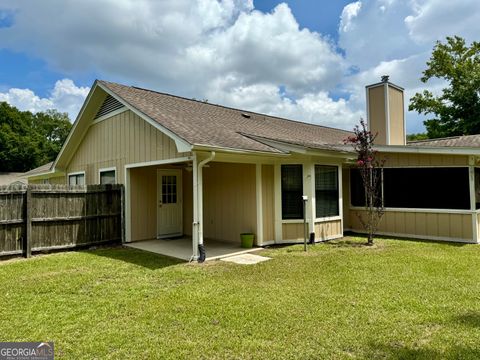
[397, 299]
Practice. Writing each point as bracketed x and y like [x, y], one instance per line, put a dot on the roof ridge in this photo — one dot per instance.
[230, 108]
[442, 138]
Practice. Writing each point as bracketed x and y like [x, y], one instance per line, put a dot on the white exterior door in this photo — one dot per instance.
[169, 203]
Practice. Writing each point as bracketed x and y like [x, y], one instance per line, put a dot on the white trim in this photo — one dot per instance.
[387, 114]
[113, 168]
[417, 210]
[292, 221]
[181, 144]
[328, 219]
[293, 242]
[383, 82]
[160, 162]
[414, 236]
[195, 207]
[77, 173]
[277, 181]
[128, 211]
[409, 149]
[259, 203]
[473, 204]
[367, 94]
[179, 175]
[308, 172]
[77, 120]
[340, 196]
[109, 115]
[425, 166]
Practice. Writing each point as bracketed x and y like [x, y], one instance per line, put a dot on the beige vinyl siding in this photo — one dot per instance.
[57, 180]
[143, 199]
[268, 203]
[143, 183]
[376, 113]
[396, 110]
[229, 200]
[346, 197]
[323, 231]
[422, 224]
[402, 160]
[122, 139]
[328, 230]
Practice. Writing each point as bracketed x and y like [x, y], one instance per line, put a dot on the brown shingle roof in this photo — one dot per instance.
[201, 123]
[454, 141]
[40, 170]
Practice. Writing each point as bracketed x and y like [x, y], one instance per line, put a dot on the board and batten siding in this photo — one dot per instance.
[324, 230]
[268, 203]
[229, 201]
[119, 140]
[417, 223]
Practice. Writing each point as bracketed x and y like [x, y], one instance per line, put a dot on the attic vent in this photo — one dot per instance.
[246, 115]
[109, 105]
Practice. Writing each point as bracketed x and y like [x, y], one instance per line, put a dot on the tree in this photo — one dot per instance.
[418, 136]
[29, 140]
[370, 168]
[457, 109]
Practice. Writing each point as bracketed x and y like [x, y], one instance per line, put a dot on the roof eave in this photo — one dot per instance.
[428, 149]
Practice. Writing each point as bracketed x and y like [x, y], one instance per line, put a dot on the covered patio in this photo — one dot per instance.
[181, 248]
[211, 204]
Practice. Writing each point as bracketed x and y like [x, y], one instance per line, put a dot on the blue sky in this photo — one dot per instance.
[307, 60]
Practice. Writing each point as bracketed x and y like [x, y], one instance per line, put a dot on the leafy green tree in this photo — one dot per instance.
[29, 140]
[457, 109]
[418, 136]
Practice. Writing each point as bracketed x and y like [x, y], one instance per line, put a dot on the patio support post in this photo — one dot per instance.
[195, 209]
[473, 202]
[197, 234]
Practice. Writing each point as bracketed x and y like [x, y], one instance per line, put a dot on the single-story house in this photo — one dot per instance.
[208, 172]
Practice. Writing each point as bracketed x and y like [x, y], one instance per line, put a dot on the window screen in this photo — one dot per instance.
[426, 188]
[107, 177]
[78, 179]
[292, 191]
[357, 191]
[326, 191]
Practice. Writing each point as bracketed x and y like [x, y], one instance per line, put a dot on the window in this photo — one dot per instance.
[326, 191]
[426, 188]
[292, 191]
[169, 189]
[477, 188]
[107, 176]
[76, 179]
[418, 188]
[357, 191]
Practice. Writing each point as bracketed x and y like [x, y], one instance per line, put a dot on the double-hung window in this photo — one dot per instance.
[107, 176]
[292, 191]
[326, 191]
[76, 179]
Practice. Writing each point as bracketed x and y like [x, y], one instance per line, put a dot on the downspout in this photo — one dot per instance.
[199, 220]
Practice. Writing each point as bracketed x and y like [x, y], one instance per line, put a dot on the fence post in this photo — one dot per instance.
[122, 212]
[27, 240]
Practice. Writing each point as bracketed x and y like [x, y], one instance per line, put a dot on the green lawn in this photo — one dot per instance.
[398, 299]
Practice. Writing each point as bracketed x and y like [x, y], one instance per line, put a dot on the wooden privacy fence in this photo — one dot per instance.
[47, 217]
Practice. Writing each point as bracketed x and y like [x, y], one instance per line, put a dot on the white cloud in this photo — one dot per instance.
[349, 12]
[65, 97]
[230, 53]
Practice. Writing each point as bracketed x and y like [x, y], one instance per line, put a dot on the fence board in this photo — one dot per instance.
[61, 216]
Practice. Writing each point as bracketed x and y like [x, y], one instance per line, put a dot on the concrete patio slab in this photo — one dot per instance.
[246, 259]
[181, 248]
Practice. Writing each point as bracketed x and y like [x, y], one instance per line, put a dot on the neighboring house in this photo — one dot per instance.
[45, 175]
[12, 178]
[208, 171]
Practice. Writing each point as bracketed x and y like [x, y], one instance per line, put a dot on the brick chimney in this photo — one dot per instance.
[386, 113]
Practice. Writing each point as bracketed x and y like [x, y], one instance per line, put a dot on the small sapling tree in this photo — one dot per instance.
[370, 168]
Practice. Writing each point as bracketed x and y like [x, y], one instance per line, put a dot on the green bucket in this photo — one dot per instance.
[247, 240]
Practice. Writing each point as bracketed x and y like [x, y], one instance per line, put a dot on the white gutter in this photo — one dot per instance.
[410, 149]
[198, 196]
